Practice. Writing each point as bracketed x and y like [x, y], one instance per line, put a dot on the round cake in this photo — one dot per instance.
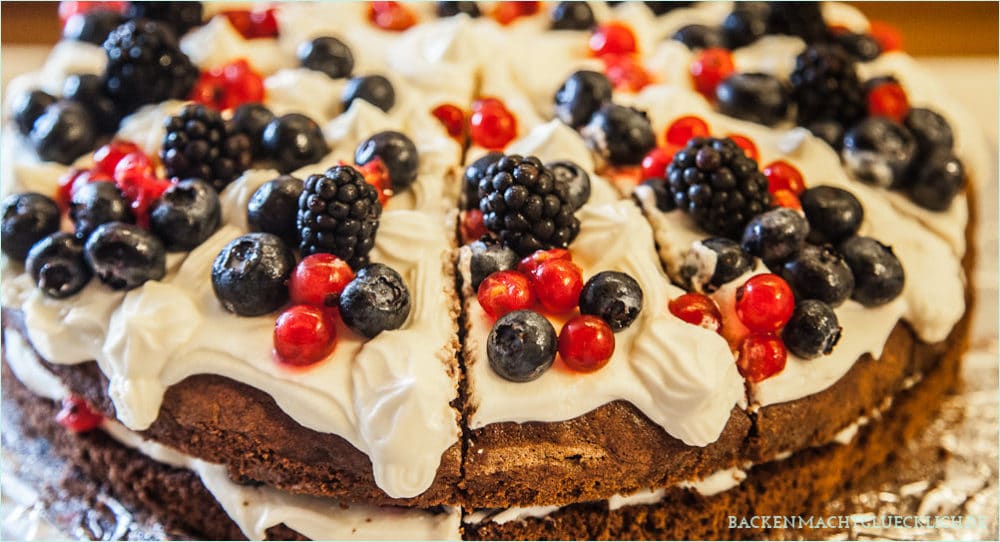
[495, 270]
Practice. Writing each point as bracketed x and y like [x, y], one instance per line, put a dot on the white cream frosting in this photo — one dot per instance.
[218, 43]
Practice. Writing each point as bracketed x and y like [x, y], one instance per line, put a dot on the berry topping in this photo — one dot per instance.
[626, 73]
[393, 16]
[97, 203]
[572, 16]
[124, 256]
[586, 343]
[228, 86]
[374, 89]
[612, 296]
[178, 16]
[251, 119]
[878, 273]
[699, 36]
[73, 180]
[614, 38]
[506, 12]
[521, 346]
[452, 118]
[274, 206]
[802, 19]
[654, 164]
[878, 150]
[834, 214]
[930, 129]
[450, 9]
[200, 145]
[825, 86]
[303, 336]
[328, 55]
[661, 194]
[396, 151]
[581, 95]
[819, 273]
[746, 24]
[775, 236]
[76, 415]
[318, 280]
[683, 129]
[505, 291]
[939, 179]
[27, 218]
[473, 174]
[63, 132]
[761, 356]
[748, 146]
[186, 215]
[92, 26]
[756, 97]
[621, 135]
[714, 181]
[697, 309]
[557, 284]
[812, 331]
[250, 274]
[710, 68]
[56, 265]
[68, 9]
[106, 157]
[889, 100]
[375, 301]
[486, 258]
[577, 181]
[293, 141]
[339, 214]
[134, 177]
[88, 91]
[713, 262]
[492, 125]
[783, 176]
[787, 199]
[28, 106]
[861, 46]
[887, 36]
[263, 24]
[764, 303]
[530, 263]
[525, 207]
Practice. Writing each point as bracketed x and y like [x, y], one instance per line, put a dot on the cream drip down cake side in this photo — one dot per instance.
[482, 270]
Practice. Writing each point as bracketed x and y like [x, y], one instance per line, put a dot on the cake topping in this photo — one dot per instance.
[864, 47]
[557, 283]
[394, 16]
[626, 72]
[521, 346]
[56, 265]
[764, 303]
[374, 89]
[397, 153]
[612, 296]
[87, 89]
[76, 415]
[339, 214]
[783, 176]
[572, 16]
[304, 335]
[834, 214]
[748, 146]
[97, 203]
[186, 215]
[699, 36]
[200, 144]
[318, 280]
[92, 25]
[63, 132]
[684, 129]
[825, 87]
[745, 24]
[179, 16]
[250, 274]
[620, 135]
[697, 309]
[761, 356]
[812, 331]
[614, 38]
[452, 118]
[124, 256]
[577, 181]
[819, 273]
[756, 97]
[940, 178]
[709, 68]
[228, 86]
[586, 343]
[654, 164]
[292, 141]
[879, 151]
[930, 129]
[251, 118]
[491, 124]
[713, 262]
[28, 106]
[327, 54]
[507, 11]
[505, 291]
[776, 235]
[27, 218]
[473, 174]
[580, 96]
[451, 8]
[375, 301]
[888, 99]
[274, 206]
[878, 274]
[487, 257]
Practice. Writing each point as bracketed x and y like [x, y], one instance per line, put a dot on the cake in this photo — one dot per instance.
[484, 271]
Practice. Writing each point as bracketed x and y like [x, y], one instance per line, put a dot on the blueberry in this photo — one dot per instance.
[27, 218]
[819, 273]
[124, 256]
[374, 89]
[28, 107]
[488, 257]
[829, 130]
[186, 215]
[88, 90]
[661, 194]
[612, 296]
[63, 132]
[930, 129]
[879, 151]
[56, 265]
[98, 203]
[251, 119]
[250, 274]
[575, 179]
[572, 16]
[862, 46]
[812, 331]
[375, 301]
[450, 9]
[621, 135]
[725, 259]
[659, 7]
[776, 235]
[756, 97]
[328, 55]
[472, 176]
[92, 26]
[580, 96]
[521, 346]
[699, 36]
[834, 214]
[746, 24]
[293, 141]
[878, 274]
[398, 154]
[273, 208]
[939, 179]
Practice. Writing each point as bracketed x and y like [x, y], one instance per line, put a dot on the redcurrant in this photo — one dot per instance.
[492, 125]
[77, 416]
[304, 335]
[697, 309]
[613, 38]
[557, 284]
[783, 176]
[709, 68]
[529, 263]
[452, 117]
[764, 303]
[586, 343]
[318, 280]
[888, 100]
[762, 355]
[505, 291]
[684, 128]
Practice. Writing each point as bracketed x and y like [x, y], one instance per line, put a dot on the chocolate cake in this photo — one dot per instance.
[499, 271]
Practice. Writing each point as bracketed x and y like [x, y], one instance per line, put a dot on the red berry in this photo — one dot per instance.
[228, 86]
[209, 90]
[684, 128]
[887, 36]
[73, 180]
[558, 284]
[486, 102]
[304, 335]
[786, 198]
[761, 356]
[391, 16]
[529, 263]
[132, 164]
[888, 100]
[764, 303]
[612, 38]
[452, 117]
[747, 144]
[505, 291]
[377, 175]
[783, 176]
[69, 9]
[472, 226]
[586, 343]
[107, 157]
[318, 280]
[240, 19]
[709, 68]
[697, 309]
[626, 73]
[77, 416]
[263, 24]
[134, 177]
[506, 12]
[492, 126]
[654, 164]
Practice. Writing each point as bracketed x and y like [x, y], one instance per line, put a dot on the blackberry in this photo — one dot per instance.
[802, 19]
[179, 16]
[825, 86]
[525, 207]
[145, 65]
[339, 214]
[714, 181]
[200, 145]
[473, 174]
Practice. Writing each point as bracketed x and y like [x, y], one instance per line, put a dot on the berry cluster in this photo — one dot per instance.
[200, 144]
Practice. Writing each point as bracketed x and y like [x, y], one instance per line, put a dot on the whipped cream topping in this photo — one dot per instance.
[218, 43]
